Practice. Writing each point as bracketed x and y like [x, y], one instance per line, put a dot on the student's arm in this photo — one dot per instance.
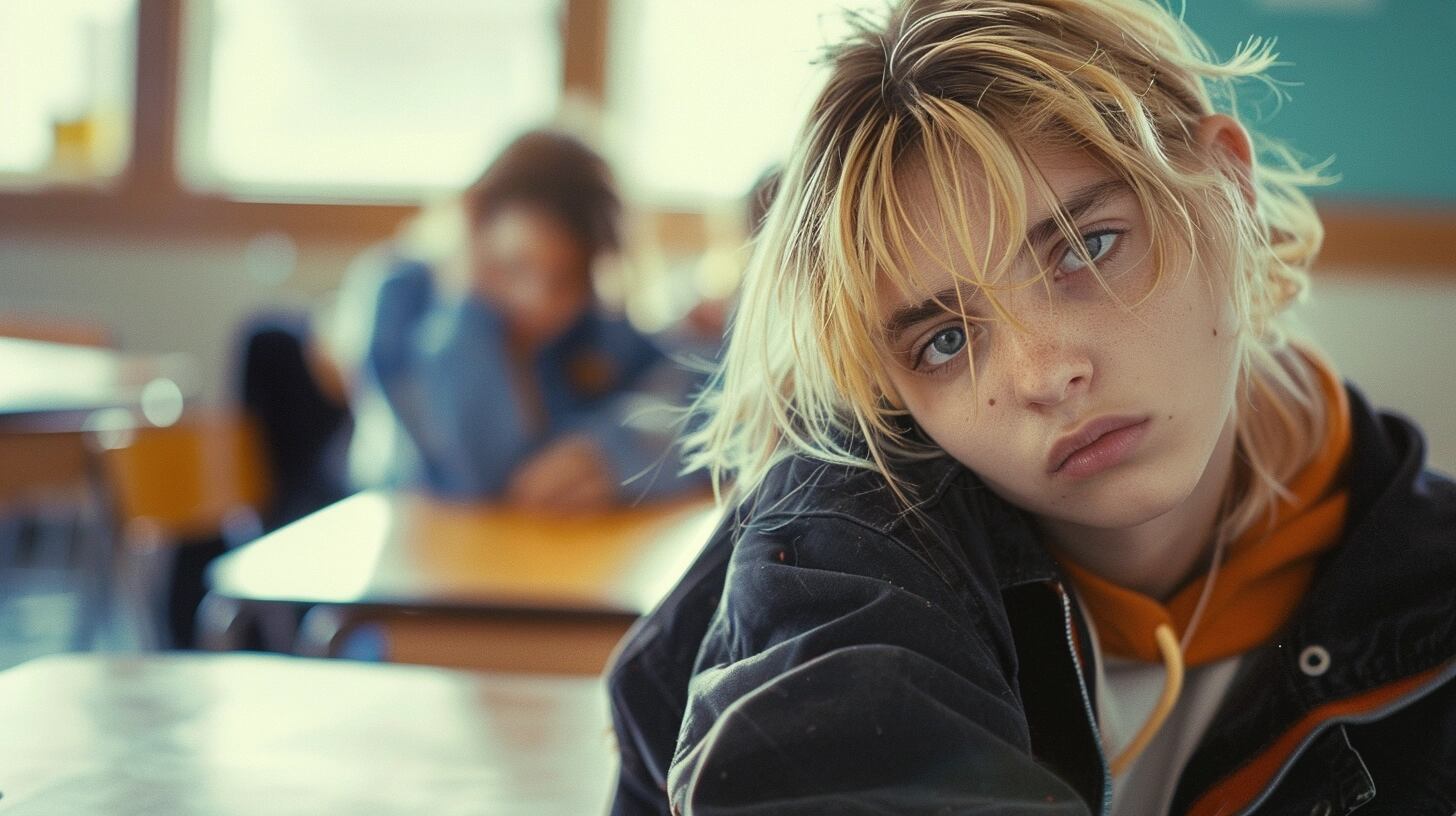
[477, 431]
[568, 473]
[622, 453]
[636, 428]
[842, 674]
[400, 301]
[638, 433]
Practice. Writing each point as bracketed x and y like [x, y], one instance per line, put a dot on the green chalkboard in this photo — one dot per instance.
[1376, 88]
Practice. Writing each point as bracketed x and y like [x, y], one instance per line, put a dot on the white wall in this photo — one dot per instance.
[1395, 337]
[176, 296]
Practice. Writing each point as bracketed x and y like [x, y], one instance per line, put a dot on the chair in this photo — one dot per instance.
[203, 477]
[51, 534]
[34, 464]
[296, 397]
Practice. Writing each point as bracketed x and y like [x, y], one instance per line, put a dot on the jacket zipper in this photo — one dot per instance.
[1068, 633]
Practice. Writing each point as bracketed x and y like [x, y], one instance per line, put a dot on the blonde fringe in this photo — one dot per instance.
[1123, 79]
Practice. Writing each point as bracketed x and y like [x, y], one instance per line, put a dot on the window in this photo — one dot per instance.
[707, 94]
[388, 99]
[66, 67]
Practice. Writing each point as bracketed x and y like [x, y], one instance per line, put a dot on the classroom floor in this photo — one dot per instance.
[38, 623]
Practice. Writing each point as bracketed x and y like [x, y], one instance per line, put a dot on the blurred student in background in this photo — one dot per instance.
[503, 375]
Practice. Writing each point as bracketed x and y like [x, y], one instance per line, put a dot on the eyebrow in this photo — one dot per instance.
[1081, 200]
[1075, 206]
[906, 316]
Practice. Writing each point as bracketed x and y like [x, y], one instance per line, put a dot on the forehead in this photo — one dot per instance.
[524, 229]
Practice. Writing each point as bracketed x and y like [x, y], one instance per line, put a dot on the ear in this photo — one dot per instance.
[1223, 134]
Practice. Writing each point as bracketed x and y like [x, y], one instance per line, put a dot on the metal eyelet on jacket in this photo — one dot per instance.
[1314, 661]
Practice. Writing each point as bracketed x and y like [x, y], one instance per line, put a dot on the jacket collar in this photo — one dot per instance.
[1373, 633]
[1392, 579]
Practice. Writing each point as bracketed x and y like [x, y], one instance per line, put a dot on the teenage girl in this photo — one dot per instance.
[1034, 505]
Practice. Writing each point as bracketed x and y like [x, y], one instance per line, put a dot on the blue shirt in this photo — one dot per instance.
[441, 363]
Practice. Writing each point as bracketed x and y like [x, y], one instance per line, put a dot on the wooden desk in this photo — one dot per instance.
[214, 735]
[521, 580]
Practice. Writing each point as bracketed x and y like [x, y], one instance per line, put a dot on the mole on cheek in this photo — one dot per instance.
[1215, 332]
[991, 402]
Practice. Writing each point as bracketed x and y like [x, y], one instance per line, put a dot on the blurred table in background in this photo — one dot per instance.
[50, 393]
[475, 586]
[213, 735]
[59, 387]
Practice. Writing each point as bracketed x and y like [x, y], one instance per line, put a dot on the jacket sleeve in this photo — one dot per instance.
[400, 300]
[842, 673]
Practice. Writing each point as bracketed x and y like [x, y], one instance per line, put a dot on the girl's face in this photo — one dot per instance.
[1093, 412]
[531, 267]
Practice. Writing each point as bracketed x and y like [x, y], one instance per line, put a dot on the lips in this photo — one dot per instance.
[1097, 445]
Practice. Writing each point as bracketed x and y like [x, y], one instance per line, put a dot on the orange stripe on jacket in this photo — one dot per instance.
[1237, 790]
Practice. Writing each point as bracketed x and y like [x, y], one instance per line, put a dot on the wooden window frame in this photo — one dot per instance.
[148, 199]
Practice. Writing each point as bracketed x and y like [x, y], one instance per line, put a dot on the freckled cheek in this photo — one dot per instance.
[977, 434]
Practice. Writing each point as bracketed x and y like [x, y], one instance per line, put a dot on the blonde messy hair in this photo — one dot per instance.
[939, 81]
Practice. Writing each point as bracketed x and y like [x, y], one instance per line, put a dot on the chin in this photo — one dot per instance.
[1122, 503]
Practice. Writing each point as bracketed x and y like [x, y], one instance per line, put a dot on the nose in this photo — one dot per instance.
[1046, 369]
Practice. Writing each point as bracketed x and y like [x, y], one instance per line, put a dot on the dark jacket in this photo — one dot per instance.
[830, 653]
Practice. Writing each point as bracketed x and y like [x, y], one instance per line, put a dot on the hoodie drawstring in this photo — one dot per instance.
[1172, 656]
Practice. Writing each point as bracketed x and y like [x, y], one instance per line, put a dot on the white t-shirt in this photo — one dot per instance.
[1127, 691]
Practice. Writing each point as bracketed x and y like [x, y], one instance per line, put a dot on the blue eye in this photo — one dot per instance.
[943, 347]
[1098, 245]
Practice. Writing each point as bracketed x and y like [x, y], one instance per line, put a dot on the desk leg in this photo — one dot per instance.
[221, 623]
[99, 541]
[277, 625]
[323, 630]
